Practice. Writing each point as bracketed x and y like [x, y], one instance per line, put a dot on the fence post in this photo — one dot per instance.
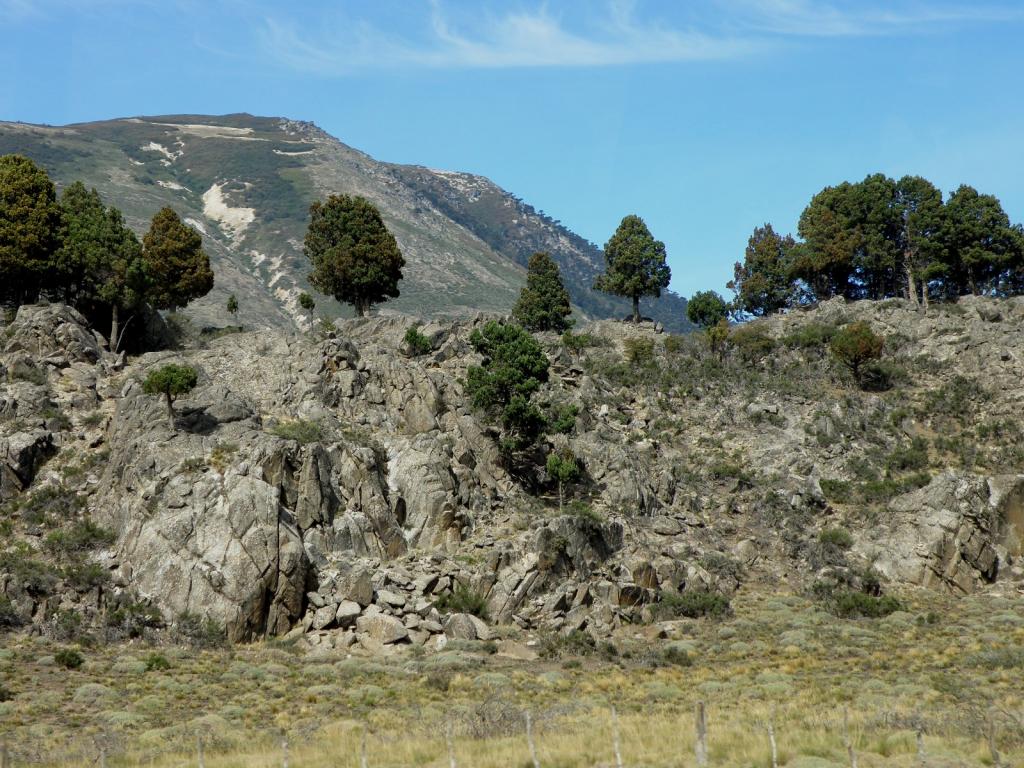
[4, 761]
[846, 739]
[529, 740]
[451, 747]
[701, 726]
[284, 752]
[103, 756]
[199, 752]
[362, 750]
[920, 746]
[615, 738]
[771, 743]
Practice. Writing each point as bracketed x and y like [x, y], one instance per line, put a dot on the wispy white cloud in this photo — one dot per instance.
[811, 18]
[524, 38]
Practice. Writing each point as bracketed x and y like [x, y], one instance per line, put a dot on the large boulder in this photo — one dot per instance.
[953, 534]
[53, 333]
[21, 455]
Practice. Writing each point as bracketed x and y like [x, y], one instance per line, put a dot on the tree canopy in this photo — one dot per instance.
[513, 369]
[881, 238]
[635, 264]
[543, 303]
[30, 228]
[175, 262]
[171, 381]
[354, 256]
[762, 283]
[706, 309]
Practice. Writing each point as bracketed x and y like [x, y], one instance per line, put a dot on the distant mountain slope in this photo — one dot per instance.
[246, 182]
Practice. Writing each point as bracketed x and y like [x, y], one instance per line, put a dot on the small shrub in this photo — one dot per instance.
[856, 345]
[676, 657]
[839, 538]
[300, 431]
[810, 335]
[220, 456]
[576, 342]
[639, 352]
[82, 536]
[199, 632]
[914, 457]
[69, 658]
[5, 693]
[133, 618]
[418, 343]
[882, 375]
[752, 341]
[156, 662]
[674, 344]
[562, 419]
[848, 603]
[691, 605]
[463, 599]
[31, 374]
[575, 643]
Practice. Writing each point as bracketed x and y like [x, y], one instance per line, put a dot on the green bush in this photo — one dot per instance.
[300, 431]
[156, 662]
[752, 341]
[691, 605]
[639, 352]
[199, 632]
[562, 419]
[69, 658]
[855, 346]
[839, 538]
[576, 643]
[914, 457]
[576, 342]
[418, 343]
[82, 536]
[463, 599]
[848, 603]
[810, 335]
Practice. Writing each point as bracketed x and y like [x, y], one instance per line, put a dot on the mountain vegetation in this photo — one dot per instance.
[355, 258]
[543, 304]
[636, 265]
[881, 238]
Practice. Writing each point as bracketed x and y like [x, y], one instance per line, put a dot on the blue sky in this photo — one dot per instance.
[705, 117]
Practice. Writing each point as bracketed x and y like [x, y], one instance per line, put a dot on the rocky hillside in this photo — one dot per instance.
[340, 490]
[246, 183]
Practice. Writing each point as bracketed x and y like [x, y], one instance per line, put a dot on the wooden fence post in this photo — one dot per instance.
[615, 738]
[284, 752]
[199, 752]
[103, 756]
[451, 747]
[362, 750]
[4, 760]
[847, 742]
[701, 726]
[529, 740]
[771, 743]
[920, 746]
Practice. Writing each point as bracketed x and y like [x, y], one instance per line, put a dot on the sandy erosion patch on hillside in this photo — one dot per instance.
[170, 185]
[233, 221]
[197, 225]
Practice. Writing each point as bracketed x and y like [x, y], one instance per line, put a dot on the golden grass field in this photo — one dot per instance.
[950, 667]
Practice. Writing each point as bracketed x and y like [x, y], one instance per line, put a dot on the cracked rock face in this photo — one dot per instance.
[342, 489]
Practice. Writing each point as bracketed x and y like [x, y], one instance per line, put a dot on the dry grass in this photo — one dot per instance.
[944, 664]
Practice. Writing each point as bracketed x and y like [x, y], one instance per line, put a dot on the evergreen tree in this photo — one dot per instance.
[706, 309]
[308, 303]
[543, 303]
[100, 259]
[982, 249]
[919, 204]
[354, 256]
[562, 467]
[856, 344]
[232, 305]
[175, 263]
[635, 264]
[171, 381]
[29, 229]
[762, 283]
[514, 367]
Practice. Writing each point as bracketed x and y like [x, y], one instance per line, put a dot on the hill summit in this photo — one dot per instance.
[246, 184]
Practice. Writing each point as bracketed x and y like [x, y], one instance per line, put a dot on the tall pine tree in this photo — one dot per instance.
[543, 303]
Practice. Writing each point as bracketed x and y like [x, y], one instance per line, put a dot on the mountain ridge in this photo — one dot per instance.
[246, 182]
